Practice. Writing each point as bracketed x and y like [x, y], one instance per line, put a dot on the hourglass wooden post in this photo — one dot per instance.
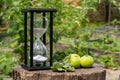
[30, 60]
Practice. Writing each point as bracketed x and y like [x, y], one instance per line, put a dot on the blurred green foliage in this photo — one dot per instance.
[108, 61]
[104, 43]
[69, 22]
[7, 62]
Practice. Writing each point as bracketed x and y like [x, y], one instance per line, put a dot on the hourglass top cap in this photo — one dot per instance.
[39, 10]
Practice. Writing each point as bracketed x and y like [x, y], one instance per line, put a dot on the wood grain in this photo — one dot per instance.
[95, 73]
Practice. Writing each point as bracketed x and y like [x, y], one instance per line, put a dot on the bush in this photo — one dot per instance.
[7, 62]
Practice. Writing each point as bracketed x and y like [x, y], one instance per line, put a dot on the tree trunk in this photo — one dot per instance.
[95, 73]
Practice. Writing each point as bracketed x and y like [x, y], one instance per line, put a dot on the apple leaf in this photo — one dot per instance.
[62, 67]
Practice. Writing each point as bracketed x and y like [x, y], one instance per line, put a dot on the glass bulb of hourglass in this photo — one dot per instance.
[39, 49]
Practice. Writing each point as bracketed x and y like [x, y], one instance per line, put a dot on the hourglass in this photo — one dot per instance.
[36, 55]
[39, 49]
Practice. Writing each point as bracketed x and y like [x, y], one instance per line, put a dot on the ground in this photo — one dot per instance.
[112, 74]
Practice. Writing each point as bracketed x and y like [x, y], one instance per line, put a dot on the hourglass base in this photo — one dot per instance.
[35, 67]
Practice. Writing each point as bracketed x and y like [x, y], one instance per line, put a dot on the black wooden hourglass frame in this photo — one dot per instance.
[28, 58]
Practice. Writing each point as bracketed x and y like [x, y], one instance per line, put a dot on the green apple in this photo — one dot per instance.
[75, 60]
[86, 61]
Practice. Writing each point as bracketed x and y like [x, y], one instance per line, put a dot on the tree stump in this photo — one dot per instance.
[95, 73]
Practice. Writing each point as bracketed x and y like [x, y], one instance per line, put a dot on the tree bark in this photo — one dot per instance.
[95, 73]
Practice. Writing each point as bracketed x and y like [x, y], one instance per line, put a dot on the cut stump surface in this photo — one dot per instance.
[95, 73]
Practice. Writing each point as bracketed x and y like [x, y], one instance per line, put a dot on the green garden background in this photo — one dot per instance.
[80, 26]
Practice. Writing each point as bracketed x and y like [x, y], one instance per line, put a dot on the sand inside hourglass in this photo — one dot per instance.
[39, 58]
[39, 31]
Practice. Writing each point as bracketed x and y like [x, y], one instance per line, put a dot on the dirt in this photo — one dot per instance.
[112, 74]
